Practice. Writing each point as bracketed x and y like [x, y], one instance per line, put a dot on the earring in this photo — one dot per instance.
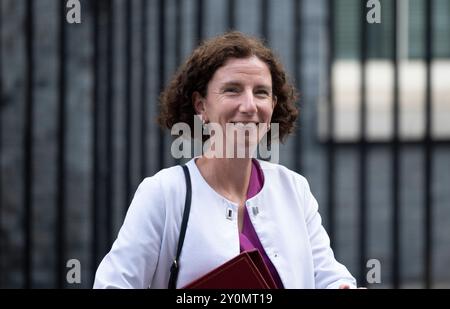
[204, 126]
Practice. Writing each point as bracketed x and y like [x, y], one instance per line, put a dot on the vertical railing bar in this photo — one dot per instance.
[428, 156]
[362, 246]
[231, 14]
[2, 249]
[265, 20]
[28, 145]
[298, 60]
[200, 18]
[178, 39]
[330, 144]
[161, 73]
[178, 31]
[110, 153]
[95, 140]
[395, 171]
[61, 154]
[128, 100]
[144, 80]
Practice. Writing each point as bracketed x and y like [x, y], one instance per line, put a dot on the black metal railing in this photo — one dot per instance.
[396, 144]
[28, 145]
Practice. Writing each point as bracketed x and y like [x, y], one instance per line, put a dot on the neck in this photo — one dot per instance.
[228, 177]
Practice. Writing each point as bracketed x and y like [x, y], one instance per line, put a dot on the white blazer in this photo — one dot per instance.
[284, 214]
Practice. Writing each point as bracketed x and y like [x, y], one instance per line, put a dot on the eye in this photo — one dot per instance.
[262, 93]
[232, 89]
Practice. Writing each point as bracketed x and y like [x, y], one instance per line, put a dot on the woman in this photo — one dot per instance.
[238, 203]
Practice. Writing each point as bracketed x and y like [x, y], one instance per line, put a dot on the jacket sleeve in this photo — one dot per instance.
[328, 272]
[132, 260]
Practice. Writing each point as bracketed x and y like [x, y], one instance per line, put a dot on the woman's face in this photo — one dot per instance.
[240, 92]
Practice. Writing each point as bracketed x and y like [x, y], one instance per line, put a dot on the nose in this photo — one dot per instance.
[248, 103]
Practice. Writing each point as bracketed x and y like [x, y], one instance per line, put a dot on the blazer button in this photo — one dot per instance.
[229, 213]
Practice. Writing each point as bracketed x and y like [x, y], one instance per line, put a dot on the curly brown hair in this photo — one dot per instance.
[195, 74]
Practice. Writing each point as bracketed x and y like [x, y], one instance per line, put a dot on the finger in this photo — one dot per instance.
[344, 286]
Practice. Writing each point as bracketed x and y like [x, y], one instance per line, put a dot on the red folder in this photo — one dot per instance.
[245, 271]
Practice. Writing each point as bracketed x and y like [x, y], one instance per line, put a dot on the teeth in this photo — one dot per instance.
[245, 126]
[245, 123]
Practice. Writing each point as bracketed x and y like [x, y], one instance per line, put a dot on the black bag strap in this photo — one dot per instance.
[187, 208]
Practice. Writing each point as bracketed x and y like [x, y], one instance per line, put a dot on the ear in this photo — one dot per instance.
[198, 103]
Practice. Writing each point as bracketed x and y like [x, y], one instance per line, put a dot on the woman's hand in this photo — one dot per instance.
[345, 286]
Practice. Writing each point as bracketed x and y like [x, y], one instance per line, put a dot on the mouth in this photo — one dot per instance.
[244, 123]
[250, 125]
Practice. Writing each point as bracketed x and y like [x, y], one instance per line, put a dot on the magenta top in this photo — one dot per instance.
[248, 238]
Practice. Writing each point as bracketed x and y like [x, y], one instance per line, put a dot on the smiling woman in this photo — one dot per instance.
[185, 222]
[242, 140]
